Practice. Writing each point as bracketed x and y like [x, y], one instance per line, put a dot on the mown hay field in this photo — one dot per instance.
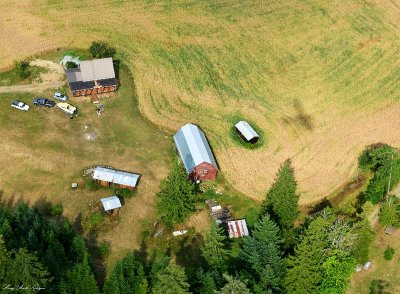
[320, 78]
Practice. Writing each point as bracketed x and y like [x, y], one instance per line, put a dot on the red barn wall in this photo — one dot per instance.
[204, 171]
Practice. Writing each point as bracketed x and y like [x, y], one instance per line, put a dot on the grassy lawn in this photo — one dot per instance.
[11, 77]
[385, 272]
[44, 151]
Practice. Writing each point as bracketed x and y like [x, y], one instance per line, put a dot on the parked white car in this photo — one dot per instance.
[60, 96]
[19, 105]
[67, 108]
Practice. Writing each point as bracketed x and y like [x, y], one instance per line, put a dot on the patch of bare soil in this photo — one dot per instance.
[52, 79]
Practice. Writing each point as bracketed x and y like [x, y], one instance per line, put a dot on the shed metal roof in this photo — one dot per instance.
[247, 131]
[193, 147]
[97, 69]
[110, 203]
[237, 228]
[115, 176]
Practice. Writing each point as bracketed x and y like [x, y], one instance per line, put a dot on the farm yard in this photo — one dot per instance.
[320, 79]
[44, 151]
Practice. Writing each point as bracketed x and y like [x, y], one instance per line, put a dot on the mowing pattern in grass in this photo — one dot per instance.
[310, 73]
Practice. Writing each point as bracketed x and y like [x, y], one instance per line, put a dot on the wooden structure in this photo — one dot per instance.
[195, 153]
[107, 177]
[220, 214]
[246, 132]
[92, 77]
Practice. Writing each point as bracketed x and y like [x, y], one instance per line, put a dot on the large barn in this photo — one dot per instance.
[196, 153]
[92, 77]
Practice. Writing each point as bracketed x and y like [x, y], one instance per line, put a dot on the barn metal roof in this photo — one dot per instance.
[110, 203]
[237, 228]
[193, 147]
[247, 131]
[115, 176]
[97, 69]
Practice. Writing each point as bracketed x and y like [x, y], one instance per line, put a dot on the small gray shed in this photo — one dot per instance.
[246, 132]
[111, 203]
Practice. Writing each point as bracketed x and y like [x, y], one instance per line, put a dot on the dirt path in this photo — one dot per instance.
[52, 79]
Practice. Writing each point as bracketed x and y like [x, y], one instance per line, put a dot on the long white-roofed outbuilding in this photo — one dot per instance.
[196, 153]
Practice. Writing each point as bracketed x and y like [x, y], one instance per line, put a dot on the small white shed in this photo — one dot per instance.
[111, 203]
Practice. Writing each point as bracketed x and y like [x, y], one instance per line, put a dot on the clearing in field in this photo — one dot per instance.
[320, 78]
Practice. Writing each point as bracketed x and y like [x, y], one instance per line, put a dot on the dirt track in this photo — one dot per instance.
[52, 79]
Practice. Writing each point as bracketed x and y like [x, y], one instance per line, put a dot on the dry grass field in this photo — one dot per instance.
[320, 78]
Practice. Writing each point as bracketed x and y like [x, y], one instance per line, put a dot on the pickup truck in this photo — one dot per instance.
[19, 105]
[67, 108]
[43, 102]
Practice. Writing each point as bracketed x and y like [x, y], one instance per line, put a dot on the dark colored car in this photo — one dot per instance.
[43, 102]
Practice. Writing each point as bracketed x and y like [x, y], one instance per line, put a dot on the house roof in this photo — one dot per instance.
[237, 228]
[110, 203]
[77, 86]
[73, 75]
[247, 131]
[108, 82]
[115, 176]
[97, 69]
[193, 147]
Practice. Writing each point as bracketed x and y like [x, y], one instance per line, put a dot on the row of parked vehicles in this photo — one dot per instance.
[39, 102]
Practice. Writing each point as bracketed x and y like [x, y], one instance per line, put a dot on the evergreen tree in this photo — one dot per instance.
[207, 284]
[281, 200]
[127, 277]
[304, 273]
[213, 250]
[363, 238]
[4, 263]
[25, 269]
[171, 280]
[262, 254]
[175, 201]
[79, 280]
[234, 286]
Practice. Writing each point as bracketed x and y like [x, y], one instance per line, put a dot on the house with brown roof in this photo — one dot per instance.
[92, 77]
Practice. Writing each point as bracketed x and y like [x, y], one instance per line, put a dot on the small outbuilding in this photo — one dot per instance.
[196, 153]
[92, 77]
[111, 203]
[108, 177]
[246, 132]
[237, 228]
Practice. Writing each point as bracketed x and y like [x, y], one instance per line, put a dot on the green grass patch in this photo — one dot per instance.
[238, 140]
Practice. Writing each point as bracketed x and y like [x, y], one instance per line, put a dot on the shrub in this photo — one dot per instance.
[71, 64]
[389, 252]
[123, 192]
[21, 68]
[104, 248]
[95, 221]
[101, 50]
[92, 185]
[56, 209]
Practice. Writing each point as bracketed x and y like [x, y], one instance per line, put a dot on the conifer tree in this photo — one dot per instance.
[281, 200]
[234, 286]
[171, 280]
[213, 250]
[175, 201]
[262, 254]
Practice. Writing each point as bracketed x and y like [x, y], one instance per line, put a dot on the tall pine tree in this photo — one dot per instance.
[281, 200]
[213, 250]
[175, 200]
[171, 280]
[263, 256]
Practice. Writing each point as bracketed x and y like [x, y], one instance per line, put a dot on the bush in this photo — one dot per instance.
[101, 50]
[123, 192]
[92, 185]
[21, 68]
[104, 248]
[56, 209]
[95, 221]
[389, 252]
[71, 64]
